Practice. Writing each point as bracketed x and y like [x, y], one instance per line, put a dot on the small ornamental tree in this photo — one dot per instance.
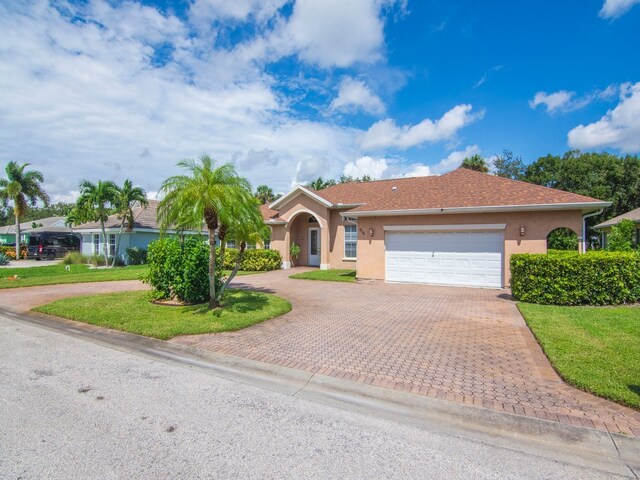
[621, 236]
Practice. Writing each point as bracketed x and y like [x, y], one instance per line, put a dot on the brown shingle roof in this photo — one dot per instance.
[142, 218]
[460, 188]
[267, 213]
[632, 215]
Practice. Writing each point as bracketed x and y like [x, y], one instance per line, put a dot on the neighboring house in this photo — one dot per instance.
[8, 233]
[460, 228]
[605, 227]
[145, 230]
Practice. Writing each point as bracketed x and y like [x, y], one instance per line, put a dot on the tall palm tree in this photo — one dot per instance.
[23, 188]
[95, 203]
[125, 199]
[265, 194]
[246, 226]
[208, 194]
[475, 162]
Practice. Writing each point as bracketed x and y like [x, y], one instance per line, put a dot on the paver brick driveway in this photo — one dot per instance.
[461, 344]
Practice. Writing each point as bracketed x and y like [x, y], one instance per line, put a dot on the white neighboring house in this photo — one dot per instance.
[145, 230]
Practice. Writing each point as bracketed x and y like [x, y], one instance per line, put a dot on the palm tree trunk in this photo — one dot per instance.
[17, 237]
[113, 262]
[213, 301]
[243, 246]
[106, 244]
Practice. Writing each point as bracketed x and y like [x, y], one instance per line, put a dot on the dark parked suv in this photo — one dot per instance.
[51, 245]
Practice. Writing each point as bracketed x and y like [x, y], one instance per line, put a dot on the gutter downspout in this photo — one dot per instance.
[584, 227]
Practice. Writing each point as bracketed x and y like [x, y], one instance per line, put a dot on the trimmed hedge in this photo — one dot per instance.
[253, 261]
[595, 278]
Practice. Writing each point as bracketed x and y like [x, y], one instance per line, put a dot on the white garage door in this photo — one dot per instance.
[445, 258]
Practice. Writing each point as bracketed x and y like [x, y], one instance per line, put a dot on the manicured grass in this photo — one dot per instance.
[55, 274]
[335, 275]
[133, 312]
[596, 349]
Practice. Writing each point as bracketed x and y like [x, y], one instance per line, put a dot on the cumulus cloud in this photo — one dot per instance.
[356, 95]
[366, 165]
[619, 128]
[567, 101]
[415, 170]
[386, 133]
[332, 33]
[616, 8]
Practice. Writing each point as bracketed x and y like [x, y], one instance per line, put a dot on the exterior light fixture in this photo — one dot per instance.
[371, 232]
[522, 230]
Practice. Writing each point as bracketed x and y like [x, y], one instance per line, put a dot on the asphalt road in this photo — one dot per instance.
[70, 408]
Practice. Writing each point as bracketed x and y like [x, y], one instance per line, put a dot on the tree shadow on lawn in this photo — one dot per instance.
[252, 288]
[634, 388]
[250, 301]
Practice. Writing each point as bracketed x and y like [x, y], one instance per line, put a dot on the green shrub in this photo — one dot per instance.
[97, 260]
[595, 278]
[621, 236]
[563, 239]
[254, 260]
[551, 251]
[4, 259]
[136, 256]
[75, 258]
[180, 269]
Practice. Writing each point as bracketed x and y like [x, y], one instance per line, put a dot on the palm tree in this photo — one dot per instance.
[265, 194]
[126, 198]
[23, 189]
[475, 162]
[320, 183]
[247, 226]
[208, 194]
[95, 203]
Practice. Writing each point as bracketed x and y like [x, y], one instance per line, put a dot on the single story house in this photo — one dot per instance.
[8, 233]
[605, 227]
[460, 228]
[145, 230]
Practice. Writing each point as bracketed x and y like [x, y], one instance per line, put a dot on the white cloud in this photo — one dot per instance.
[386, 133]
[566, 101]
[616, 8]
[356, 95]
[618, 128]
[366, 165]
[552, 101]
[415, 170]
[206, 11]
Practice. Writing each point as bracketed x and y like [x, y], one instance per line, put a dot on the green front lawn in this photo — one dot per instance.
[133, 312]
[54, 274]
[596, 349]
[334, 275]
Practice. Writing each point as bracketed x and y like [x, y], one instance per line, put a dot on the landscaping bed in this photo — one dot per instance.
[596, 349]
[333, 275]
[134, 312]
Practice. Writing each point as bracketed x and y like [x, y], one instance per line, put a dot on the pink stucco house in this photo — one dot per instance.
[460, 228]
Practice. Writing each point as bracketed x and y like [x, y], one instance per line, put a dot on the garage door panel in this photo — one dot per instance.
[451, 258]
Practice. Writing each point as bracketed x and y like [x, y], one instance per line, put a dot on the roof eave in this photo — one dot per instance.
[584, 206]
[294, 192]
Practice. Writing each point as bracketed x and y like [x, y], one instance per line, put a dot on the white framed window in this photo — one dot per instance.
[96, 244]
[251, 246]
[267, 245]
[231, 244]
[112, 244]
[350, 241]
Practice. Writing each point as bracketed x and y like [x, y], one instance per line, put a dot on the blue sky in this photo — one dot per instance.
[290, 90]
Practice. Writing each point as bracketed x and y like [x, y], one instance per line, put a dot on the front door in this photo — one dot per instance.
[314, 247]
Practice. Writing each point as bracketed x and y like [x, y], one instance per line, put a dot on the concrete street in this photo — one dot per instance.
[73, 408]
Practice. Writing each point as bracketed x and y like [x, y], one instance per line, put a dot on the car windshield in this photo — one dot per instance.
[34, 240]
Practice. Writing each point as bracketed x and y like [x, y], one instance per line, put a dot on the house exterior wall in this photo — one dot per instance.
[371, 249]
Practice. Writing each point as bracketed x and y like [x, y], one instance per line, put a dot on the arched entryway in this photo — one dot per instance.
[305, 230]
